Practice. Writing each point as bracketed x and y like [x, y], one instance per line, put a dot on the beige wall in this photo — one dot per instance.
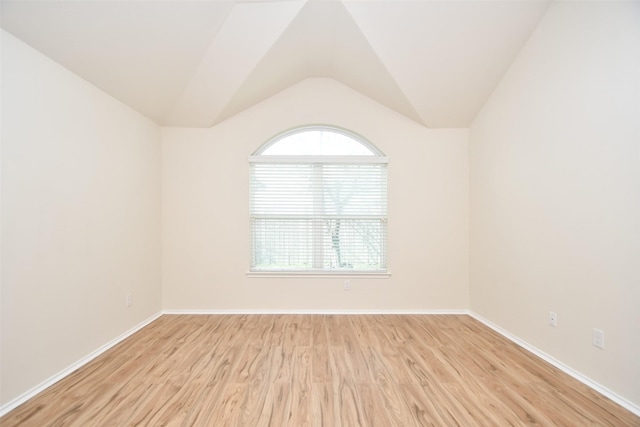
[80, 219]
[555, 193]
[206, 209]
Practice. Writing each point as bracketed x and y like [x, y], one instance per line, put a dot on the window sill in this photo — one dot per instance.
[318, 274]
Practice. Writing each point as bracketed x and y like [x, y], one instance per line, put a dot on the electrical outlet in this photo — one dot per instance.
[128, 300]
[553, 319]
[598, 338]
[347, 285]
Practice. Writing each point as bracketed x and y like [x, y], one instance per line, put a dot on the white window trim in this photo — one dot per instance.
[318, 275]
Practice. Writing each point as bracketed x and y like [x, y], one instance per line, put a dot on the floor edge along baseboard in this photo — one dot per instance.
[14, 403]
[630, 406]
[318, 311]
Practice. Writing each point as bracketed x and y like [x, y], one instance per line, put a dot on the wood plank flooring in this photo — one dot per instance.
[318, 370]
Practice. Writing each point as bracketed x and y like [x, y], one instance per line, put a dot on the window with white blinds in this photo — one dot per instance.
[318, 203]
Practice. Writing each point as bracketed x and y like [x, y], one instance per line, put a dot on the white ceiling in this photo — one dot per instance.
[196, 63]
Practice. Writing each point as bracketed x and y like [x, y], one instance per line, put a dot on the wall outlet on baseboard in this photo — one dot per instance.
[598, 338]
[553, 319]
[347, 285]
[128, 300]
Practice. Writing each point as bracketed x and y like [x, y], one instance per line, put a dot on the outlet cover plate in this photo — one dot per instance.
[553, 319]
[598, 338]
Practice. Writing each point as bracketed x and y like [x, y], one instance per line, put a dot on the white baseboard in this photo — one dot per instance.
[4, 409]
[564, 368]
[316, 311]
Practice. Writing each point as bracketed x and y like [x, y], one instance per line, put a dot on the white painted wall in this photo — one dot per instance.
[205, 182]
[555, 193]
[80, 218]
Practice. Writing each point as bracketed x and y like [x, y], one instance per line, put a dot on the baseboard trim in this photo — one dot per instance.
[9, 406]
[564, 368]
[315, 311]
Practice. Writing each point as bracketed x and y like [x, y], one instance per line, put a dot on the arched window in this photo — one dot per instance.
[318, 203]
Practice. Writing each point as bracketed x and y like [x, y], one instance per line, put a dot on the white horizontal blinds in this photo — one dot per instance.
[317, 216]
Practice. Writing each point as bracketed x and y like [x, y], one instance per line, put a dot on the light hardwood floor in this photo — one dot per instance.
[320, 370]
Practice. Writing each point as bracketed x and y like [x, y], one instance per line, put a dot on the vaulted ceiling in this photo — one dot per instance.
[196, 63]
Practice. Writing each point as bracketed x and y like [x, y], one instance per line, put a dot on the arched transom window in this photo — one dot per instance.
[318, 203]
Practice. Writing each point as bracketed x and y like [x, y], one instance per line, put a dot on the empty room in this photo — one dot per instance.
[320, 212]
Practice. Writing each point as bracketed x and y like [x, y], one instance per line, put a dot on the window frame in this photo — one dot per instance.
[377, 157]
